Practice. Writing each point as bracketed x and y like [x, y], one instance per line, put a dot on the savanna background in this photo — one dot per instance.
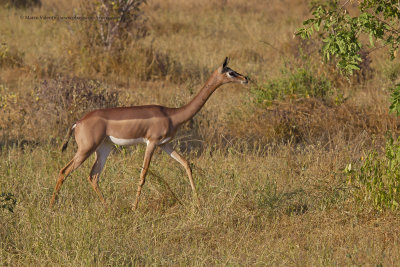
[273, 161]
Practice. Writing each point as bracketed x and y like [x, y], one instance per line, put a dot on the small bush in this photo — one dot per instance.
[46, 112]
[60, 102]
[294, 84]
[115, 22]
[115, 45]
[268, 197]
[378, 180]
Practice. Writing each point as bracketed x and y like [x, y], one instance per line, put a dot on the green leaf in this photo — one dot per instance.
[371, 39]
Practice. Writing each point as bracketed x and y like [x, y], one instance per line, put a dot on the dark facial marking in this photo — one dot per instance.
[233, 74]
[226, 69]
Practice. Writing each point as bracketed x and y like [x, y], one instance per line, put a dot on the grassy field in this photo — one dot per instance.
[268, 159]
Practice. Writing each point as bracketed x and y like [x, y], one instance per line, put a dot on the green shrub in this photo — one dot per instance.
[378, 180]
[294, 84]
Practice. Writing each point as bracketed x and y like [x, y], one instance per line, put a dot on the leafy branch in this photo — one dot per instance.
[340, 32]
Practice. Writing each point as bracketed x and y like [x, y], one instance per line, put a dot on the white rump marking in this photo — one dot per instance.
[128, 142]
[73, 126]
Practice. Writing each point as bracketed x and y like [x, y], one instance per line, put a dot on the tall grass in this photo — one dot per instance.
[254, 209]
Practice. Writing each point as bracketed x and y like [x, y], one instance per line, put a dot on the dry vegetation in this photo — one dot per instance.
[268, 159]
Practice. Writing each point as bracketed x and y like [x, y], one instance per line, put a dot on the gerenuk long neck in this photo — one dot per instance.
[186, 112]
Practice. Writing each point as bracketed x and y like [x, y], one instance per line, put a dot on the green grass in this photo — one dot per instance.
[377, 181]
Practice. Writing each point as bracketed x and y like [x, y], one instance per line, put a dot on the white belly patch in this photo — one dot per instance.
[141, 140]
[128, 142]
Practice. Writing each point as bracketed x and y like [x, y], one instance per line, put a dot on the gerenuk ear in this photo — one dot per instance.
[226, 61]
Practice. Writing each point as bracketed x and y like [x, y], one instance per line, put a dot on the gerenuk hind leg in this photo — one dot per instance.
[102, 153]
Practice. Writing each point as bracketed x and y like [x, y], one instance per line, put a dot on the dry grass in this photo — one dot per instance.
[270, 177]
[286, 206]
